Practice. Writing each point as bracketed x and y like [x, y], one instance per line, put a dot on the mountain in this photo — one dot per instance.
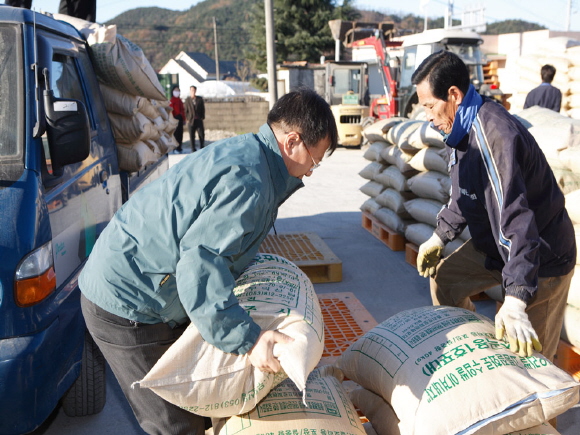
[163, 33]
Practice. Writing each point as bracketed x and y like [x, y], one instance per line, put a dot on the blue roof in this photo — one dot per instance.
[208, 64]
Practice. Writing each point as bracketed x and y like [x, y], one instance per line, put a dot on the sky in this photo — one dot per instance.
[535, 11]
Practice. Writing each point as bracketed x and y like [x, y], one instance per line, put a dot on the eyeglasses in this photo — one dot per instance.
[314, 164]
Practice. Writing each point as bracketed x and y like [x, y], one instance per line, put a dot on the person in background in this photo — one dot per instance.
[172, 253]
[195, 114]
[545, 95]
[178, 113]
[503, 189]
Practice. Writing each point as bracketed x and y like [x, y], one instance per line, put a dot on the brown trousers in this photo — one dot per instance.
[463, 274]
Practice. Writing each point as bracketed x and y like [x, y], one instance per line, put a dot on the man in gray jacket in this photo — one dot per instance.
[172, 253]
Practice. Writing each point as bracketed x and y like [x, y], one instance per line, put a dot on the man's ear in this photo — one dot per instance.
[292, 141]
[455, 94]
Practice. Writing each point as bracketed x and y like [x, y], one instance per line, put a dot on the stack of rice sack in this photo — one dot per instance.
[522, 74]
[138, 110]
[408, 180]
[440, 370]
[559, 138]
[388, 172]
[199, 377]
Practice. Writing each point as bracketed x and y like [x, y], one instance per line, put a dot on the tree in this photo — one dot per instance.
[300, 27]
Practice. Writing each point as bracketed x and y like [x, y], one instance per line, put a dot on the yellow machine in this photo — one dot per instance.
[345, 92]
[349, 115]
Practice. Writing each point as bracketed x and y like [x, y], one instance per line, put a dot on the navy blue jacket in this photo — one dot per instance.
[546, 96]
[505, 191]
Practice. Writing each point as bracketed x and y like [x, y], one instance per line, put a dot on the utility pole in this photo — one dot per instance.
[217, 61]
[568, 14]
[271, 52]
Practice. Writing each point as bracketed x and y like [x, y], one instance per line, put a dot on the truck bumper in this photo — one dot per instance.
[29, 386]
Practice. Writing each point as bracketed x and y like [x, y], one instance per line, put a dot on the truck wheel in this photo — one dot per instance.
[87, 394]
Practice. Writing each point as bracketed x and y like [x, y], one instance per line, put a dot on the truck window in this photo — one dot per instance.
[11, 163]
[65, 83]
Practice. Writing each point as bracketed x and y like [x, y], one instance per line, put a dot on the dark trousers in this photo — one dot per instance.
[132, 349]
[197, 125]
[178, 133]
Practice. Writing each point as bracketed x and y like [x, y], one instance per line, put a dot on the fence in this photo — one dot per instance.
[238, 114]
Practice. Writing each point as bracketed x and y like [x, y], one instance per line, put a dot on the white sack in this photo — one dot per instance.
[204, 380]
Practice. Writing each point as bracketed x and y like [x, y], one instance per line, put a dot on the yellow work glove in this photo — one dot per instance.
[429, 256]
[512, 320]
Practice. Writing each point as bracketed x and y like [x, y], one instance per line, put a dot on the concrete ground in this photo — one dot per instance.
[381, 279]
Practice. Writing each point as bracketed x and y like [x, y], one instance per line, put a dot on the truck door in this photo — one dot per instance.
[81, 197]
[344, 78]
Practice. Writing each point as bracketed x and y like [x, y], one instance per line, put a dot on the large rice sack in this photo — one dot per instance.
[129, 129]
[379, 413]
[573, 205]
[134, 157]
[431, 185]
[424, 210]
[443, 372]
[371, 170]
[399, 134]
[571, 327]
[395, 200]
[426, 136]
[119, 102]
[370, 206]
[118, 62]
[418, 233]
[431, 159]
[391, 219]
[394, 156]
[392, 177]
[201, 378]
[373, 152]
[329, 411]
[372, 188]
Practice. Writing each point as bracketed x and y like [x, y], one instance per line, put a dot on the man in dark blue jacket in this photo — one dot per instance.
[505, 192]
[545, 95]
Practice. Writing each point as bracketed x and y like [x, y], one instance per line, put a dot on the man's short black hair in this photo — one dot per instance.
[548, 72]
[193, 86]
[443, 69]
[306, 112]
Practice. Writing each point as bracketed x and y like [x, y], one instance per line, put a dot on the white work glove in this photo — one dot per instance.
[429, 256]
[513, 321]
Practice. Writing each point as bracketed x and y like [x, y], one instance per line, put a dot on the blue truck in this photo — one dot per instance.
[60, 184]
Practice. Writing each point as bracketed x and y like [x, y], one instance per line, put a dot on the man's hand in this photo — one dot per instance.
[429, 256]
[513, 321]
[262, 354]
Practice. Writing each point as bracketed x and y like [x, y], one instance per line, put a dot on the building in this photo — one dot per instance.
[193, 68]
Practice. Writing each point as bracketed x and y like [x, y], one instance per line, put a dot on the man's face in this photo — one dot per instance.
[440, 113]
[192, 92]
[304, 161]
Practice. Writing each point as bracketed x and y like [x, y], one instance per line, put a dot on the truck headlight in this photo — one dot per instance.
[35, 277]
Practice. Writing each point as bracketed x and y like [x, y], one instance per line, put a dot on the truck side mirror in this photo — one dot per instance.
[67, 128]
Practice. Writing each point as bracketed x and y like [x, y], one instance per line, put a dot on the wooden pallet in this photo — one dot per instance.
[568, 359]
[391, 238]
[345, 320]
[308, 252]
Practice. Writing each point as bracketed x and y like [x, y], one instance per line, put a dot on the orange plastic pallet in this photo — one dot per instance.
[345, 320]
[308, 252]
[391, 238]
[568, 359]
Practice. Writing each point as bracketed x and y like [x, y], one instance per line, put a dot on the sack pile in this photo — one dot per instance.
[559, 138]
[138, 110]
[407, 179]
[522, 74]
[439, 370]
[199, 377]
